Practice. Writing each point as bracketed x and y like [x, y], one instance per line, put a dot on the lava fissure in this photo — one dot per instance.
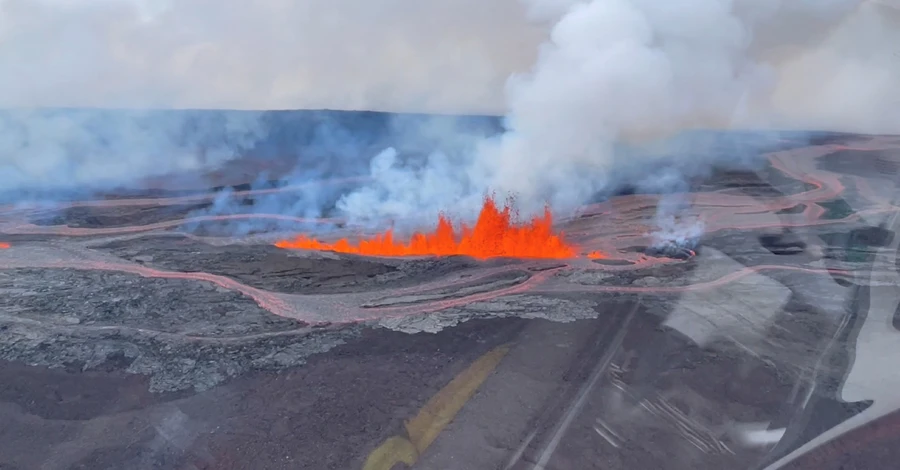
[494, 235]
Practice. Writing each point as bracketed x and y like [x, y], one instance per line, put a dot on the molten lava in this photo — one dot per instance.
[4, 245]
[495, 234]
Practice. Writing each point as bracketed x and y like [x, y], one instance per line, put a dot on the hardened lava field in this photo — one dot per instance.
[158, 294]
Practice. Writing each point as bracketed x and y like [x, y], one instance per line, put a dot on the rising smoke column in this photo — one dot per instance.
[617, 70]
[632, 72]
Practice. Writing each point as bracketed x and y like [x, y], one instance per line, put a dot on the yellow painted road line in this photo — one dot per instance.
[395, 450]
[437, 413]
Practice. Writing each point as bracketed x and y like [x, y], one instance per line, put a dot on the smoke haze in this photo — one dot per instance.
[595, 93]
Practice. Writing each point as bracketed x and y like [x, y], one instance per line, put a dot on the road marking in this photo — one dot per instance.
[435, 415]
[395, 450]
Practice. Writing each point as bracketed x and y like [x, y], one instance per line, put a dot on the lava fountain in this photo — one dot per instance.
[495, 234]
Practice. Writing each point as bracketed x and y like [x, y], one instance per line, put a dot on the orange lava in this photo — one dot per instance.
[495, 234]
[4, 245]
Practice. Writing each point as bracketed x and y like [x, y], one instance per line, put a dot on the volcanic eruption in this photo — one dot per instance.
[496, 233]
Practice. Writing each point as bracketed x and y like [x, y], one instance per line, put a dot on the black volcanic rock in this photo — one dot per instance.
[785, 243]
[670, 250]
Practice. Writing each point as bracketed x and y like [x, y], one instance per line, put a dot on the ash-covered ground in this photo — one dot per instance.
[141, 333]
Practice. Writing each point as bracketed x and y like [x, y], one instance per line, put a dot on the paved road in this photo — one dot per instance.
[525, 392]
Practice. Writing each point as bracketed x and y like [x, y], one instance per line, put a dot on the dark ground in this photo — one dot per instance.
[267, 267]
[327, 414]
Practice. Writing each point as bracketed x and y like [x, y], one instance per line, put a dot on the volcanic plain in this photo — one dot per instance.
[116, 311]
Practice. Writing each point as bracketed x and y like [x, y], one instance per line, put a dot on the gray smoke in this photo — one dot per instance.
[342, 153]
[47, 153]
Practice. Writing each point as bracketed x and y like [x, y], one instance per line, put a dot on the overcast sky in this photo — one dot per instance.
[403, 55]
[437, 55]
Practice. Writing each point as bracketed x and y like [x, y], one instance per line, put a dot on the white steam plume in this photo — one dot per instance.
[634, 71]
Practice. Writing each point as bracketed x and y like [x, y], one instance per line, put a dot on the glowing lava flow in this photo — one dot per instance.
[4, 245]
[495, 234]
